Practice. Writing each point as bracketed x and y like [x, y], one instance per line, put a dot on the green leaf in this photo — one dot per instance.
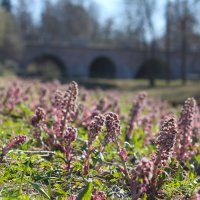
[85, 193]
[23, 174]
[40, 189]
[49, 189]
[25, 109]
[101, 157]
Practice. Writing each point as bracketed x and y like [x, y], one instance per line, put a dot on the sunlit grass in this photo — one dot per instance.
[175, 91]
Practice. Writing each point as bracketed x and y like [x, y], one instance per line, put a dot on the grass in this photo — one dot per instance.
[174, 92]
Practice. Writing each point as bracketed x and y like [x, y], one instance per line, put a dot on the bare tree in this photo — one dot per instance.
[134, 24]
[7, 5]
[139, 14]
[10, 40]
[107, 31]
[66, 21]
[168, 40]
[149, 10]
[183, 26]
[181, 22]
[24, 21]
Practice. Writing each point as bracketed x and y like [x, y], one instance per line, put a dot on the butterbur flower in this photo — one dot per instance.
[95, 127]
[65, 103]
[68, 105]
[39, 122]
[116, 108]
[57, 99]
[40, 116]
[98, 195]
[134, 114]
[166, 139]
[70, 97]
[101, 104]
[146, 123]
[185, 125]
[144, 177]
[16, 141]
[70, 134]
[63, 111]
[73, 197]
[122, 152]
[165, 147]
[112, 127]
[43, 94]
[14, 96]
[69, 137]
[112, 123]
[141, 176]
[88, 115]
[21, 139]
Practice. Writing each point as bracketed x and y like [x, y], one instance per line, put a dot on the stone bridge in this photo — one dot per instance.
[84, 62]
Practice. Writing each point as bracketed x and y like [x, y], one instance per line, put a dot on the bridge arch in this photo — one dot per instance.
[102, 67]
[152, 68]
[46, 66]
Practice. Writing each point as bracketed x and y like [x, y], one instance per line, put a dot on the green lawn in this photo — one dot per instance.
[174, 92]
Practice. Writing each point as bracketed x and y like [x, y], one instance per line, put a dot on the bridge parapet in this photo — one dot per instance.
[77, 61]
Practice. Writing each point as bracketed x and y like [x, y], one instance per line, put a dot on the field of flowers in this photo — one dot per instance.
[61, 141]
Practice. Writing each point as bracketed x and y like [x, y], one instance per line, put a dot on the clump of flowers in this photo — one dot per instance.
[94, 129]
[99, 108]
[145, 175]
[112, 127]
[13, 96]
[69, 136]
[64, 108]
[165, 148]
[166, 141]
[135, 112]
[101, 105]
[59, 134]
[112, 124]
[39, 118]
[141, 177]
[39, 123]
[185, 126]
[65, 105]
[113, 130]
[21, 139]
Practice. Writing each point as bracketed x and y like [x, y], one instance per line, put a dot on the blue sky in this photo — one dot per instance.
[108, 8]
